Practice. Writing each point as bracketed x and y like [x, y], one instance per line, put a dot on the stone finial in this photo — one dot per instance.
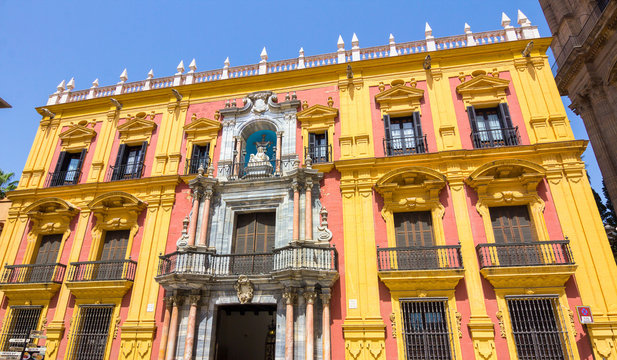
[301, 52]
[150, 74]
[355, 48]
[193, 66]
[71, 84]
[225, 74]
[95, 83]
[330, 101]
[308, 162]
[467, 29]
[210, 171]
[428, 32]
[183, 240]
[505, 20]
[340, 43]
[201, 170]
[180, 67]
[226, 62]
[217, 115]
[301, 59]
[304, 105]
[392, 44]
[124, 77]
[522, 20]
[470, 39]
[264, 55]
[324, 233]
[61, 86]
[354, 41]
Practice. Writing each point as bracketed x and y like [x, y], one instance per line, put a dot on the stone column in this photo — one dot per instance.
[205, 217]
[325, 321]
[289, 295]
[308, 211]
[279, 144]
[165, 331]
[310, 296]
[173, 328]
[194, 217]
[190, 328]
[238, 154]
[296, 224]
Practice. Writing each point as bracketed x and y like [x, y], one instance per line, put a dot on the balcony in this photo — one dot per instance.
[406, 145]
[412, 268]
[125, 171]
[255, 170]
[495, 138]
[191, 269]
[110, 278]
[319, 154]
[60, 178]
[192, 165]
[526, 264]
[22, 281]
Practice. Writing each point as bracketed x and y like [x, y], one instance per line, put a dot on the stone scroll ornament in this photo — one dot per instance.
[324, 233]
[245, 289]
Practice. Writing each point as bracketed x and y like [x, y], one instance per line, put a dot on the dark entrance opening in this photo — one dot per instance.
[245, 332]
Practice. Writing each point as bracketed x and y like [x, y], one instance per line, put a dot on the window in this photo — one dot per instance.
[492, 127]
[20, 321]
[113, 254]
[253, 244]
[318, 148]
[200, 157]
[89, 339]
[511, 225]
[129, 162]
[425, 329]
[415, 230]
[46, 258]
[403, 135]
[68, 168]
[538, 332]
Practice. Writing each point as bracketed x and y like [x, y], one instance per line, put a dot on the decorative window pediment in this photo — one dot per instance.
[50, 215]
[116, 210]
[400, 99]
[137, 128]
[201, 127]
[317, 114]
[483, 90]
[76, 137]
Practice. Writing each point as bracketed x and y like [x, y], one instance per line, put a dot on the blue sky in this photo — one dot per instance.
[44, 42]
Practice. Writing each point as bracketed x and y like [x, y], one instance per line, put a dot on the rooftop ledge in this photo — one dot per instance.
[65, 93]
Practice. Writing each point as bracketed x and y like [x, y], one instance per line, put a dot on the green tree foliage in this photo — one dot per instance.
[609, 218]
[6, 184]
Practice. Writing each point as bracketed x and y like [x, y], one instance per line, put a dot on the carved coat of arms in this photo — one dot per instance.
[245, 289]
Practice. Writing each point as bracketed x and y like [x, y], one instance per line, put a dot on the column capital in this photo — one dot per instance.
[207, 193]
[310, 296]
[279, 133]
[289, 294]
[193, 299]
[176, 300]
[325, 298]
[308, 184]
[295, 186]
[168, 301]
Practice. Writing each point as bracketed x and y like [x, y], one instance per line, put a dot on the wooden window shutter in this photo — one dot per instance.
[61, 157]
[511, 224]
[119, 161]
[114, 247]
[48, 249]
[504, 113]
[471, 112]
[413, 229]
[386, 124]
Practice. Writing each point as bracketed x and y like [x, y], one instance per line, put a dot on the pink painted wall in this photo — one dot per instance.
[462, 119]
[426, 120]
[203, 110]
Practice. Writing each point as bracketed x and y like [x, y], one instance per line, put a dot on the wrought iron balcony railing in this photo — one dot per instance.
[102, 270]
[33, 274]
[125, 171]
[192, 165]
[286, 258]
[319, 153]
[419, 258]
[405, 145]
[533, 253]
[495, 138]
[59, 178]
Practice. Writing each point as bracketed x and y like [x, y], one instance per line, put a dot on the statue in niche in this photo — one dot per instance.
[259, 157]
[259, 163]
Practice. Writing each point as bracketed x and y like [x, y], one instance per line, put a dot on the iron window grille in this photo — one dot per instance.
[538, 328]
[426, 329]
[89, 339]
[20, 321]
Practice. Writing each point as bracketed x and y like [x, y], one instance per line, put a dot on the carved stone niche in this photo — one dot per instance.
[115, 211]
[400, 99]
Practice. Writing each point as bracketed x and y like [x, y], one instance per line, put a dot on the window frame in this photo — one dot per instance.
[77, 321]
[62, 165]
[418, 144]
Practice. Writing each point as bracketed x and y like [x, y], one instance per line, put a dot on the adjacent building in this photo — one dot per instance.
[585, 68]
[418, 200]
